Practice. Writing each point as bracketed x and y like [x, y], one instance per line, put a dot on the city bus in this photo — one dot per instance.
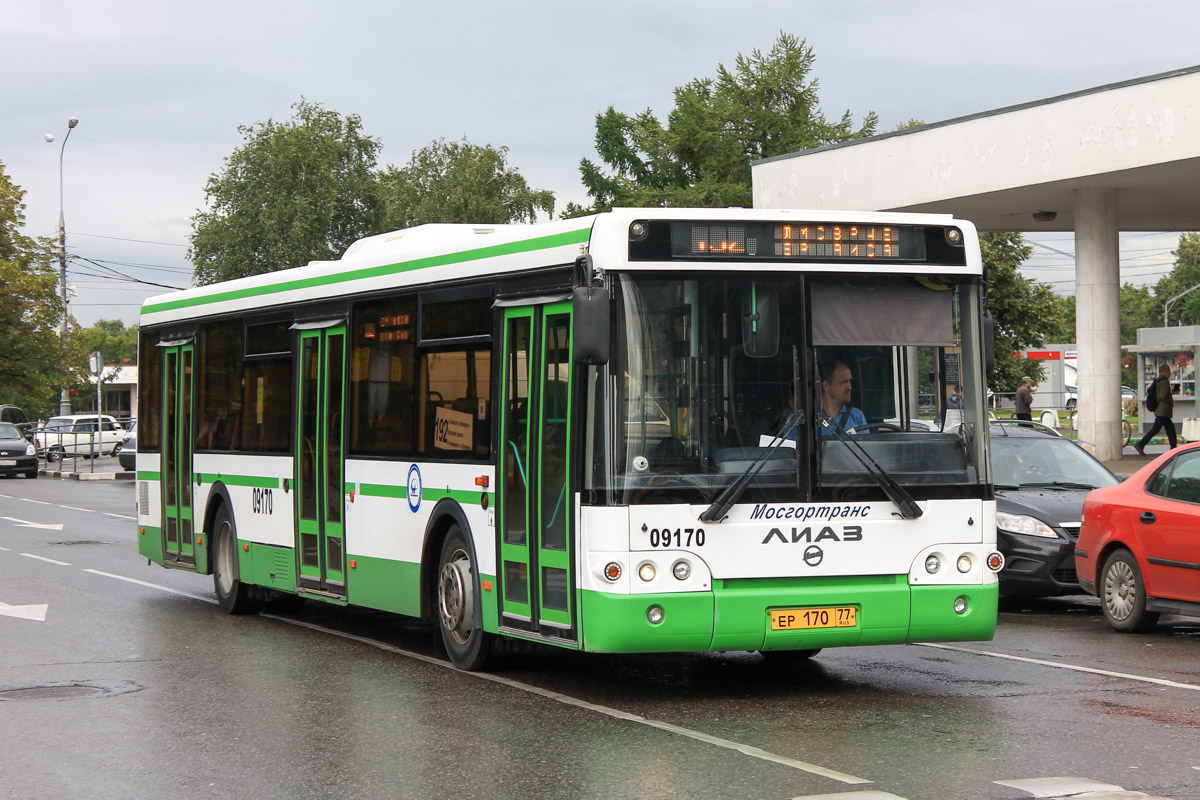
[607, 433]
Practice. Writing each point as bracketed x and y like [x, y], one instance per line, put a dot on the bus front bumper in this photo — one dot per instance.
[736, 615]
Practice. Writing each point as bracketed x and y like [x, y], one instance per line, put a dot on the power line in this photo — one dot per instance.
[123, 239]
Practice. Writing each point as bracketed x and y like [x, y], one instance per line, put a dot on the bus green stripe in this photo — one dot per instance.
[239, 480]
[543, 243]
[427, 494]
[147, 475]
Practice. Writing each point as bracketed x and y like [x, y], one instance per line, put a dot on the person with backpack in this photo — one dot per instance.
[1160, 401]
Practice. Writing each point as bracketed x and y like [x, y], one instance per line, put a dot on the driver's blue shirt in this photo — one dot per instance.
[853, 419]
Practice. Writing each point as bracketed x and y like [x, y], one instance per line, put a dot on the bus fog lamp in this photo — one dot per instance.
[654, 614]
[960, 605]
[682, 570]
[964, 563]
[612, 571]
[933, 564]
[647, 572]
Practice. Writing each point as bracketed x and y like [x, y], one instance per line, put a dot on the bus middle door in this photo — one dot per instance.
[320, 468]
[536, 570]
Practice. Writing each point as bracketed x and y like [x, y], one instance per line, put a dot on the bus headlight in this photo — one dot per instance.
[964, 563]
[646, 571]
[960, 605]
[933, 564]
[654, 615]
[682, 570]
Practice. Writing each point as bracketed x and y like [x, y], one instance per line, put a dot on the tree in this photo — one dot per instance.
[459, 182]
[765, 106]
[1183, 276]
[296, 191]
[1026, 313]
[115, 342]
[36, 364]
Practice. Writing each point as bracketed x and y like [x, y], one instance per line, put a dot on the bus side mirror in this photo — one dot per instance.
[760, 321]
[989, 343]
[591, 315]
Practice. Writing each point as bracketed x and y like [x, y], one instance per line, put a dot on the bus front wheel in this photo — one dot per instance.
[233, 596]
[466, 643]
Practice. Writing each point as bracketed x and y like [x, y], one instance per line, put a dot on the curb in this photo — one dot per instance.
[87, 476]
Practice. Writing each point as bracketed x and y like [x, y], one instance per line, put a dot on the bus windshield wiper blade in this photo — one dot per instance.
[725, 500]
[895, 492]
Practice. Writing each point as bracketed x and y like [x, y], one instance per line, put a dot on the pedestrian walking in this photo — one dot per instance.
[1162, 411]
[1025, 399]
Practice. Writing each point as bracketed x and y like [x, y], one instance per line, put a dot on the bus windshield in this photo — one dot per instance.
[711, 377]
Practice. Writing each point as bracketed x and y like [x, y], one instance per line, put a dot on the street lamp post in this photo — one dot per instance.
[64, 401]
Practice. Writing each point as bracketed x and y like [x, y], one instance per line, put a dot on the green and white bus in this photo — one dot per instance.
[604, 433]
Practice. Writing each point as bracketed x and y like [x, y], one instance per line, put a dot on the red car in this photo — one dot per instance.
[1139, 547]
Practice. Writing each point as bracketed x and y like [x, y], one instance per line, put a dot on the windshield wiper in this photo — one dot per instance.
[895, 492]
[1057, 485]
[725, 500]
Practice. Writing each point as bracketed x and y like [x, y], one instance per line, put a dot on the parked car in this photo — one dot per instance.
[130, 427]
[1072, 401]
[1127, 393]
[18, 456]
[81, 434]
[127, 457]
[1138, 550]
[1041, 482]
[14, 414]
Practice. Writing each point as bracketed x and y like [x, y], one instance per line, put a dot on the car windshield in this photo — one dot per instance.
[59, 424]
[9, 431]
[1045, 461]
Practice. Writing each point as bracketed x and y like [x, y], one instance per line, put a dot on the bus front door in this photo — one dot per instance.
[320, 469]
[536, 542]
[179, 548]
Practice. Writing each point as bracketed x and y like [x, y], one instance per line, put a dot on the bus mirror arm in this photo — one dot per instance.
[895, 492]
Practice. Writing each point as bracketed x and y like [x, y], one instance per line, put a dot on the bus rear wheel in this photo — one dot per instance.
[466, 643]
[233, 596]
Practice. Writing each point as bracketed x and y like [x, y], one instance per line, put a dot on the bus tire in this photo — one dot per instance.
[1123, 594]
[233, 596]
[467, 645]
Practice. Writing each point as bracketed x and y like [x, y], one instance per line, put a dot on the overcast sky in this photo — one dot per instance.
[161, 87]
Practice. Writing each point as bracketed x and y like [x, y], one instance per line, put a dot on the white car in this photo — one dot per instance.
[80, 434]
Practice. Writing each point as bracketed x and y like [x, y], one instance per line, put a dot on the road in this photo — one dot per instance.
[121, 680]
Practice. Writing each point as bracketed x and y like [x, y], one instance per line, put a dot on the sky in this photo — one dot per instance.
[160, 89]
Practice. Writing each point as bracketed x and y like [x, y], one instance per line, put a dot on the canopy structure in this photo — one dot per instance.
[1118, 157]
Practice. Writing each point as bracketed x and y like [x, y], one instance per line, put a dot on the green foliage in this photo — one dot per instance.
[115, 342]
[1026, 313]
[459, 182]
[1185, 275]
[35, 363]
[296, 191]
[765, 106]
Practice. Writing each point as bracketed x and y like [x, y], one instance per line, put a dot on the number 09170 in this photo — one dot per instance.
[679, 537]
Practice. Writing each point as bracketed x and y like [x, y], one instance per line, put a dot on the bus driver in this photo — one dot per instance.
[835, 401]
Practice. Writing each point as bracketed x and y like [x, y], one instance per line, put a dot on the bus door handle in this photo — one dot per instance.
[1148, 517]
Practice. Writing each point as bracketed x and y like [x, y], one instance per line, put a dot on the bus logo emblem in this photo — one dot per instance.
[414, 488]
[813, 555]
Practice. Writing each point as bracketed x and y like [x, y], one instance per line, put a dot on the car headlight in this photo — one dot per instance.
[30, 450]
[1019, 523]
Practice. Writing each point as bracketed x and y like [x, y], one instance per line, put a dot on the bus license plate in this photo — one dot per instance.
[794, 619]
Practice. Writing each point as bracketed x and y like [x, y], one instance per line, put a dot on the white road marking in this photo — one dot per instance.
[24, 523]
[48, 560]
[744, 749]
[1075, 788]
[1108, 673]
[153, 586]
[118, 516]
[34, 612]
[870, 794]
[39, 502]
[77, 508]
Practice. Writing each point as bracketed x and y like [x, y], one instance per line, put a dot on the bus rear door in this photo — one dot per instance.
[179, 547]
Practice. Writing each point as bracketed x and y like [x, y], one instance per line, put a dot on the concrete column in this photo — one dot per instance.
[1098, 321]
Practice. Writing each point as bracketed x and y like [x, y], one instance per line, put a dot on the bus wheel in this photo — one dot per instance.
[233, 596]
[466, 644]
